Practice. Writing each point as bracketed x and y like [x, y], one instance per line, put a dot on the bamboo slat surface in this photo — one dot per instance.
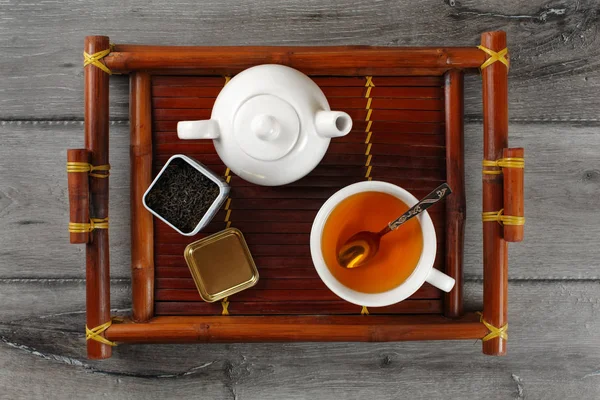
[409, 150]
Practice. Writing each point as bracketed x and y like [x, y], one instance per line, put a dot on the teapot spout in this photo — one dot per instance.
[333, 123]
[206, 129]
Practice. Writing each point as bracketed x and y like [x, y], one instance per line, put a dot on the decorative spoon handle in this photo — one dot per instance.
[438, 194]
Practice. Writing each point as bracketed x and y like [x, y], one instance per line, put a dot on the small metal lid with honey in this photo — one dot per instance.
[221, 264]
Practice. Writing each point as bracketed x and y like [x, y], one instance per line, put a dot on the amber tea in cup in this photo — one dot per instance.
[398, 254]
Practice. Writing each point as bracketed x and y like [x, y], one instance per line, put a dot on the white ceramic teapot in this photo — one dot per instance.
[271, 125]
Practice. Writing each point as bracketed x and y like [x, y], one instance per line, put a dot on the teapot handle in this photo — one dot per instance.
[205, 129]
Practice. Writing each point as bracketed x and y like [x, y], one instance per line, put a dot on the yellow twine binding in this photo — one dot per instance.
[75, 166]
[225, 305]
[228, 202]
[494, 56]
[85, 227]
[364, 311]
[496, 216]
[494, 332]
[95, 58]
[369, 85]
[96, 333]
[510, 162]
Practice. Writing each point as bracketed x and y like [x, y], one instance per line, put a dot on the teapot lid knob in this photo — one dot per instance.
[266, 127]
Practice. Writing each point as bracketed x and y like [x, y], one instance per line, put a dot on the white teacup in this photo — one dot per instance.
[423, 272]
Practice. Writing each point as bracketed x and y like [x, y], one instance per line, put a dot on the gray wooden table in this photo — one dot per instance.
[554, 343]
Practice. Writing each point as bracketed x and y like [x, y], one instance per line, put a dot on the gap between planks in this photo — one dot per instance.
[79, 121]
[551, 279]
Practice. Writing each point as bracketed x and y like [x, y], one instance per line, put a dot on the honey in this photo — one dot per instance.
[399, 251]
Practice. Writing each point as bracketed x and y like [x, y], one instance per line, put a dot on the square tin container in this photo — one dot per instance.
[221, 264]
[212, 210]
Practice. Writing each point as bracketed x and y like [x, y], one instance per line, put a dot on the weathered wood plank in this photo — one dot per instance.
[562, 187]
[562, 208]
[554, 352]
[554, 48]
[48, 298]
[34, 211]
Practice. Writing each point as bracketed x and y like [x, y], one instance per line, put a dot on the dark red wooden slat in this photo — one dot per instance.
[174, 81]
[294, 308]
[183, 102]
[407, 150]
[379, 160]
[385, 103]
[191, 293]
[408, 92]
[260, 294]
[379, 81]
[306, 272]
[325, 81]
[407, 138]
[406, 115]
[272, 215]
[398, 127]
[387, 173]
[186, 91]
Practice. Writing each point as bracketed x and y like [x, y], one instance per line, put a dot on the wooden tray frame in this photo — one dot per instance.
[142, 62]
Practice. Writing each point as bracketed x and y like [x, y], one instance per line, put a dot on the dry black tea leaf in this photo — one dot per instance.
[182, 195]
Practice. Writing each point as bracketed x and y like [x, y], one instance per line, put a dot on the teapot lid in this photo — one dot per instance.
[266, 127]
[266, 118]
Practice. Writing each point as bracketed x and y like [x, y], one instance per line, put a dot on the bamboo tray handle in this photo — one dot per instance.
[79, 194]
[511, 166]
[79, 170]
[513, 194]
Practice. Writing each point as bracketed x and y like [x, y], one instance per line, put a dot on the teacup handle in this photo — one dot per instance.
[206, 129]
[440, 280]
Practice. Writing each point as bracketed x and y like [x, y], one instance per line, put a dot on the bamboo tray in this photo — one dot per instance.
[407, 107]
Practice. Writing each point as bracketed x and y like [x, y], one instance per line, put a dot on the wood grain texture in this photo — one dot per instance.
[320, 60]
[514, 186]
[554, 47]
[548, 359]
[79, 194]
[47, 298]
[562, 175]
[97, 263]
[495, 139]
[34, 201]
[455, 177]
[142, 228]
